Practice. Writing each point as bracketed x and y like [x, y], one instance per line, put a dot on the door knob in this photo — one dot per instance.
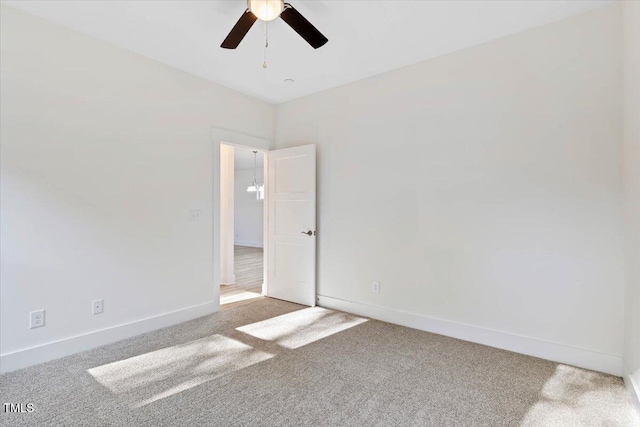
[308, 233]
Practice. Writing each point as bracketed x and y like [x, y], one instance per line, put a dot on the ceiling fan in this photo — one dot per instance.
[267, 10]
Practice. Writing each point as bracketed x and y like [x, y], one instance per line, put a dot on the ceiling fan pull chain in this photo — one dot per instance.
[266, 43]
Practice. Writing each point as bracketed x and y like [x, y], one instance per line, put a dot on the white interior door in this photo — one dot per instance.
[292, 224]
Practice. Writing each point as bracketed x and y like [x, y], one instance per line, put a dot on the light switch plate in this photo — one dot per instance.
[194, 214]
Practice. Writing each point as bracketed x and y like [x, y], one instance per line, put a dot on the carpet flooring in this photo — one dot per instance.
[273, 363]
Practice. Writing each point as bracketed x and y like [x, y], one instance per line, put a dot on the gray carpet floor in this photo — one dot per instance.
[273, 363]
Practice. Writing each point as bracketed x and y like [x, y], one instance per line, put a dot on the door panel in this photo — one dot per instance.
[292, 213]
[291, 217]
[288, 171]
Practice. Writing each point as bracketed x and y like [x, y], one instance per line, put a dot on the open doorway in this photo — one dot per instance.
[289, 220]
[242, 224]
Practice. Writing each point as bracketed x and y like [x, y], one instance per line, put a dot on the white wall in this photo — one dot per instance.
[248, 211]
[631, 59]
[483, 188]
[104, 152]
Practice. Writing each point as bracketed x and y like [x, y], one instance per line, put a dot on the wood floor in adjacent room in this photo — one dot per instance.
[248, 264]
[273, 363]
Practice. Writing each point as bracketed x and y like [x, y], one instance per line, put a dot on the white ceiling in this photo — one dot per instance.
[365, 37]
[243, 158]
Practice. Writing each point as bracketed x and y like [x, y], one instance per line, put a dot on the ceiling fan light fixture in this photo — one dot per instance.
[266, 10]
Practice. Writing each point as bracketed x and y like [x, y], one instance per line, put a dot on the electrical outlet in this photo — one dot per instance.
[97, 306]
[36, 319]
[375, 287]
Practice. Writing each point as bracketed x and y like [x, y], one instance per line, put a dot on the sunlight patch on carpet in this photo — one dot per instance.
[574, 396]
[242, 296]
[302, 327]
[162, 373]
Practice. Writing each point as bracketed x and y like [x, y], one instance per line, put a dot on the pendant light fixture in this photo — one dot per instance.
[254, 186]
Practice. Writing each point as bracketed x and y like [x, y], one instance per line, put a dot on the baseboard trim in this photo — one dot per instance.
[632, 388]
[247, 243]
[228, 280]
[560, 353]
[56, 349]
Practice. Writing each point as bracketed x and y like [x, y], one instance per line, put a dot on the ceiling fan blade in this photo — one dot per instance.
[303, 27]
[239, 30]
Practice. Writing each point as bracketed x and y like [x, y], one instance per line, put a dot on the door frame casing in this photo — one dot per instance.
[262, 145]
